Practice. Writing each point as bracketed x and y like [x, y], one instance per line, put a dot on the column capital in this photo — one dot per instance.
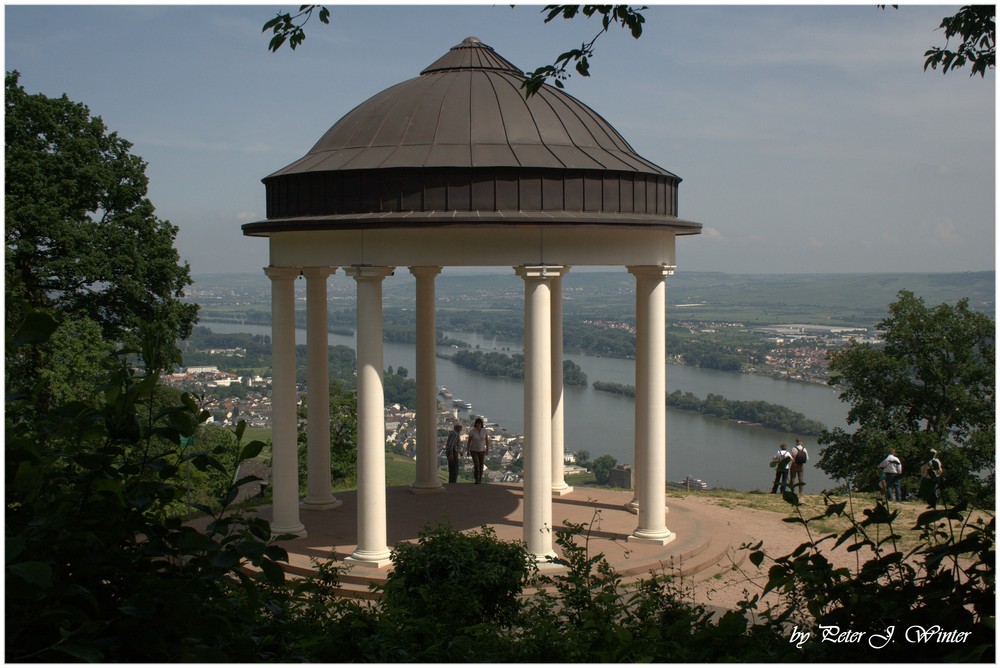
[539, 271]
[368, 272]
[318, 272]
[429, 272]
[651, 270]
[275, 272]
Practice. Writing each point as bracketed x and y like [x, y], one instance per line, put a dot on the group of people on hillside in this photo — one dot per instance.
[931, 472]
[788, 466]
[476, 446]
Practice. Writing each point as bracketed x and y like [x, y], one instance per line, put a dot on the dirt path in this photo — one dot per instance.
[750, 526]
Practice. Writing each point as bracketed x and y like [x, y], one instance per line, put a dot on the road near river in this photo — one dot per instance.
[722, 453]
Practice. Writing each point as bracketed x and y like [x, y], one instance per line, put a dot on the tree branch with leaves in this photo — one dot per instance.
[291, 28]
[976, 26]
[624, 15]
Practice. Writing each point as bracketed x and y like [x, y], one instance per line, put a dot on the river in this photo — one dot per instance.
[720, 452]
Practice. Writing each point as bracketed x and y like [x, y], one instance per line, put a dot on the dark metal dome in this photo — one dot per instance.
[462, 139]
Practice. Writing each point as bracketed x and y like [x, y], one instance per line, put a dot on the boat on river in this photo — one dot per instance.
[689, 484]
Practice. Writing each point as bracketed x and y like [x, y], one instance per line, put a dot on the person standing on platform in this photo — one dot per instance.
[453, 450]
[479, 445]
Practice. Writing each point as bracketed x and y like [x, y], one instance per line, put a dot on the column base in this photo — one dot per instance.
[369, 559]
[423, 488]
[545, 561]
[633, 507]
[652, 538]
[329, 504]
[561, 490]
[295, 530]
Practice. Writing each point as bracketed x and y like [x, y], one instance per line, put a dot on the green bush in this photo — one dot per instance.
[98, 568]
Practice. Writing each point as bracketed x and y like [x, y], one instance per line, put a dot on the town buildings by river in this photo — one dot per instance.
[254, 407]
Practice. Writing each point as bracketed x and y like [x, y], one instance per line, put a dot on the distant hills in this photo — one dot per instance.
[835, 299]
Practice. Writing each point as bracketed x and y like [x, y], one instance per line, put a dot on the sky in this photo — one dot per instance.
[809, 138]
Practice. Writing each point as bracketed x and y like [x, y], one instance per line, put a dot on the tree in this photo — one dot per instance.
[343, 435]
[976, 25]
[73, 359]
[602, 468]
[82, 238]
[929, 384]
[99, 566]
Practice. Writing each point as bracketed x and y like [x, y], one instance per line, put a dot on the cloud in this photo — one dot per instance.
[946, 231]
[712, 233]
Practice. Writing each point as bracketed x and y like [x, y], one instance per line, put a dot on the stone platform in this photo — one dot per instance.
[702, 547]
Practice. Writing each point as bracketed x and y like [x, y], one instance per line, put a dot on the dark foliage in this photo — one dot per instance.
[98, 566]
[897, 601]
[976, 26]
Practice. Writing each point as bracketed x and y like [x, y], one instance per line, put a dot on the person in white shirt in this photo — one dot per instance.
[893, 472]
[479, 445]
[781, 459]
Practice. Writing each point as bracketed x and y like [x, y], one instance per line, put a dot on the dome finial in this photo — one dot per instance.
[472, 54]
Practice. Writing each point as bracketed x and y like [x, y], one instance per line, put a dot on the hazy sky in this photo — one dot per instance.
[809, 138]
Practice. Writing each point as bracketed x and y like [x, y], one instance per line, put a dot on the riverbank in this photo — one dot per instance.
[449, 341]
[603, 424]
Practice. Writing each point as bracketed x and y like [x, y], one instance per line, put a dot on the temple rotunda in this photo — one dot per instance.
[452, 168]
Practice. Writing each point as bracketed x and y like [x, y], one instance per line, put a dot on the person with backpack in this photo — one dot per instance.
[780, 461]
[452, 450]
[799, 458]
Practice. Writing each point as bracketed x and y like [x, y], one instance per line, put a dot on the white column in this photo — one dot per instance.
[651, 404]
[372, 549]
[559, 485]
[641, 380]
[538, 409]
[284, 437]
[427, 462]
[318, 483]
